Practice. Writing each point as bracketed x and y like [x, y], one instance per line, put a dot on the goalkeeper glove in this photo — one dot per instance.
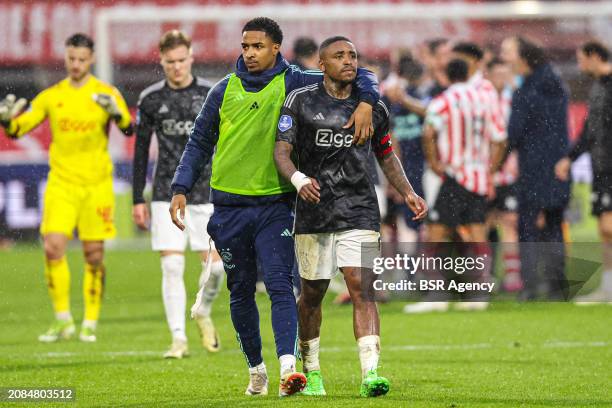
[9, 108]
[108, 103]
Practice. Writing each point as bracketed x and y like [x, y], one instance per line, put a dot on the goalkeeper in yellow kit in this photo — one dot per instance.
[79, 191]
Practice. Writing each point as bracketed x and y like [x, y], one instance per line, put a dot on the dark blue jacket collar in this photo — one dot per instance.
[545, 80]
[540, 72]
[260, 79]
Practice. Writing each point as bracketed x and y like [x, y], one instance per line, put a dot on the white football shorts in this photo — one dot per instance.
[321, 255]
[165, 236]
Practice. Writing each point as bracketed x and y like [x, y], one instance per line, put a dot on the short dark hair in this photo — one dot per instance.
[457, 70]
[433, 45]
[470, 49]
[595, 47]
[80, 40]
[494, 62]
[304, 47]
[409, 68]
[268, 26]
[329, 41]
[172, 39]
[532, 53]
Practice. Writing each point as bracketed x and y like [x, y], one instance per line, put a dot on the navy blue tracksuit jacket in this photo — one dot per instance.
[537, 129]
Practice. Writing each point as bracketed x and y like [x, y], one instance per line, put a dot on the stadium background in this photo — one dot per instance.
[33, 32]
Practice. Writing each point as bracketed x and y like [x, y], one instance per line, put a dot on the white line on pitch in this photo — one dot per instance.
[407, 347]
[417, 347]
[102, 353]
[570, 344]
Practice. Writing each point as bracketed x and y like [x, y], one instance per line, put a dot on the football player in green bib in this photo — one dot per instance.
[252, 220]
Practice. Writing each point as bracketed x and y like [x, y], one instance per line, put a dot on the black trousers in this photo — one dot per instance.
[542, 249]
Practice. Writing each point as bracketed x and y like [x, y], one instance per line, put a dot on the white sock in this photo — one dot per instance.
[310, 354]
[173, 294]
[212, 287]
[63, 316]
[369, 351]
[91, 324]
[606, 280]
[287, 363]
[261, 368]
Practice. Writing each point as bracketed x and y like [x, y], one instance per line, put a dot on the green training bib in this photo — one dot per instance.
[244, 159]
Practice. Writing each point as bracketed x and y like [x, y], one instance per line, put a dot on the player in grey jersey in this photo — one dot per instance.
[337, 220]
[168, 109]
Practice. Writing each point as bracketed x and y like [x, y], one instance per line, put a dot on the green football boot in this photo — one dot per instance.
[59, 330]
[87, 334]
[373, 385]
[314, 384]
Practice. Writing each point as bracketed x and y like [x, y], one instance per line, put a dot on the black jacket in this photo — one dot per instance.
[537, 129]
[596, 136]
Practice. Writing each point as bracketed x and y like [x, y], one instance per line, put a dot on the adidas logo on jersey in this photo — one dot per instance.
[254, 106]
[286, 233]
[163, 109]
[319, 116]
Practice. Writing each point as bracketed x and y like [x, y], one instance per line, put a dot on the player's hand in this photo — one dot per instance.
[491, 187]
[395, 93]
[417, 205]
[10, 106]
[108, 103]
[562, 169]
[140, 214]
[177, 210]
[311, 192]
[362, 119]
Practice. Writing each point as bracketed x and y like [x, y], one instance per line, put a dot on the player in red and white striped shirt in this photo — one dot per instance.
[505, 203]
[500, 103]
[458, 120]
[461, 127]
[472, 55]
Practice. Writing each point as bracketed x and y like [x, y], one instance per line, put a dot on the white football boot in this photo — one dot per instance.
[178, 349]
[258, 382]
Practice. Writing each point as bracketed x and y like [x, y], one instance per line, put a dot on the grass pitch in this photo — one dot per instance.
[527, 355]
